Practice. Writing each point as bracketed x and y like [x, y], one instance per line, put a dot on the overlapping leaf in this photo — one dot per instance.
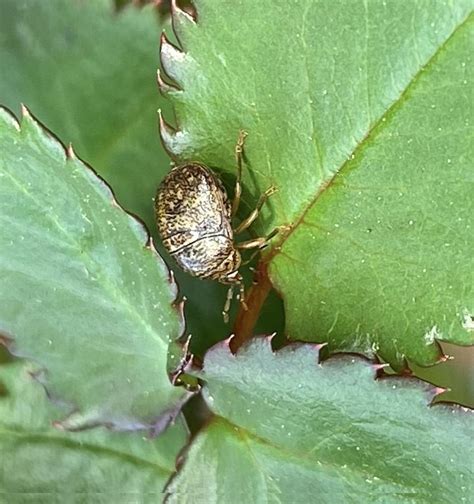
[82, 293]
[44, 464]
[360, 114]
[296, 431]
[89, 73]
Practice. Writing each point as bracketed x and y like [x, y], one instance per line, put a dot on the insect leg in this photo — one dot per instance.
[251, 218]
[251, 258]
[239, 149]
[225, 311]
[242, 296]
[258, 242]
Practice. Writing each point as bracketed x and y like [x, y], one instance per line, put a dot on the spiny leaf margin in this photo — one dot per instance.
[292, 427]
[113, 407]
[205, 134]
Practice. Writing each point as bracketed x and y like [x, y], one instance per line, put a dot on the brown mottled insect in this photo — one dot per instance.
[194, 214]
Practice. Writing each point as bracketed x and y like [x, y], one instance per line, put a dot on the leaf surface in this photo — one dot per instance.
[296, 431]
[89, 73]
[82, 292]
[42, 464]
[360, 114]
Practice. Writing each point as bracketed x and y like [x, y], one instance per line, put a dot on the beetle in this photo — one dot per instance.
[194, 218]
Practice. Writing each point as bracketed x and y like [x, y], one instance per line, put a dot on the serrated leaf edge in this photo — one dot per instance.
[429, 391]
[172, 56]
[70, 422]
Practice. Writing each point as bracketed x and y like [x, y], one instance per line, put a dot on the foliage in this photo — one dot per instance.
[45, 463]
[357, 112]
[369, 156]
[292, 429]
[89, 74]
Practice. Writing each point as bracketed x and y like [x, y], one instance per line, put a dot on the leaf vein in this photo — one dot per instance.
[377, 125]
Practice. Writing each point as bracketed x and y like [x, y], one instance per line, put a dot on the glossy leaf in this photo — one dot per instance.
[296, 431]
[44, 464]
[358, 113]
[82, 292]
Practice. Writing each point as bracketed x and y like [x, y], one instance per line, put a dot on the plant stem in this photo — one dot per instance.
[246, 319]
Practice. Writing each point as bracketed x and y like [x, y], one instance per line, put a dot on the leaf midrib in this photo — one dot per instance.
[79, 445]
[377, 127]
[246, 435]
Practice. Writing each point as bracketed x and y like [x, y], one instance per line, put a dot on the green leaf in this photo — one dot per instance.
[44, 464]
[90, 75]
[358, 113]
[456, 374]
[292, 430]
[82, 293]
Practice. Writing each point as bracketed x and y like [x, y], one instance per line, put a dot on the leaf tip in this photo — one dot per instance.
[320, 346]
[379, 368]
[174, 141]
[163, 40]
[25, 112]
[168, 50]
[181, 21]
[171, 58]
[31, 125]
[179, 13]
[270, 337]
[70, 154]
[226, 344]
[435, 392]
[164, 88]
[166, 130]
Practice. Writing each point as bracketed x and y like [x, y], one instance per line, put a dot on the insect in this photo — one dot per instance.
[194, 218]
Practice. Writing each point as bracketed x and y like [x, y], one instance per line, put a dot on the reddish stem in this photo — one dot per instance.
[246, 319]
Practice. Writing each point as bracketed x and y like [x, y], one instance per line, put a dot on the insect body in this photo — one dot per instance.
[193, 215]
[194, 218]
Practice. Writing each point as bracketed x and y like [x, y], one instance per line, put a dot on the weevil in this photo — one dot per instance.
[194, 217]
